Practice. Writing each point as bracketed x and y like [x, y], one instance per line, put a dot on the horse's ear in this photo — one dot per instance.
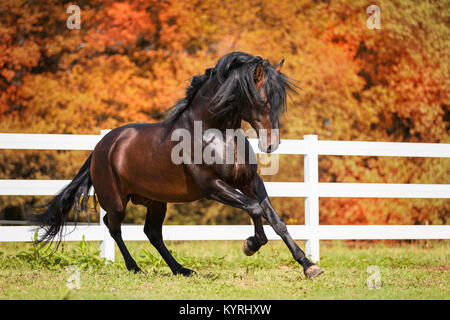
[258, 76]
[278, 66]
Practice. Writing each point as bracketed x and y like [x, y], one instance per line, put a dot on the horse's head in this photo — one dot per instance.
[264, 115]
[247, 88]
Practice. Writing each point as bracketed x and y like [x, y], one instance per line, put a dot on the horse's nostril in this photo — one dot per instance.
[269, 149]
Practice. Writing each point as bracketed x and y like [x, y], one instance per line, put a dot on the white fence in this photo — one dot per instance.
[310, 189]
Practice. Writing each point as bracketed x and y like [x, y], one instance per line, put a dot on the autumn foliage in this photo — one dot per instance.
[130, 61]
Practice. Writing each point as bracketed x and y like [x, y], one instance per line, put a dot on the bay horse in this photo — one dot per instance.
[134, 162]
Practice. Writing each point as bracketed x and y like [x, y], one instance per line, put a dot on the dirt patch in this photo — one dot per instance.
[436, 268]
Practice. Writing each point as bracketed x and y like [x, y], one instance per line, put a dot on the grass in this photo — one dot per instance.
[417, 271]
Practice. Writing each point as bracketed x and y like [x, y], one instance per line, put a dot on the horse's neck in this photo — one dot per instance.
[199, 110]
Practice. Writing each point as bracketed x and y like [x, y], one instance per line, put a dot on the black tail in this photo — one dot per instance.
[75, 196]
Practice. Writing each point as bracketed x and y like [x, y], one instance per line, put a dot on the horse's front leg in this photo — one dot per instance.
[216, 189]
[252, 244]
[277, 223]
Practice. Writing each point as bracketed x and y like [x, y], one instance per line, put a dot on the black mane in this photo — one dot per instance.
[233, 76]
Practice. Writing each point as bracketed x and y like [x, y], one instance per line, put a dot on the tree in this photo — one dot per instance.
[131, 60]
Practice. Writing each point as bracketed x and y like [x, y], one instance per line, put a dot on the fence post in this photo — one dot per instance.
[311, 167]
[107, 245]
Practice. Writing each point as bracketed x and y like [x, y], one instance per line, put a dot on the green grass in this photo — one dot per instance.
[418, 271]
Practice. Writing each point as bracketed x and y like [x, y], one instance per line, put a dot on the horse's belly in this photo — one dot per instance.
[159, 179]
[178, 190]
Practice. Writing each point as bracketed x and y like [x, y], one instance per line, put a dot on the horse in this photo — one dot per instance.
[135, 161]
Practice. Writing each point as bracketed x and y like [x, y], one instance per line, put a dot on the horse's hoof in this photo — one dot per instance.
[313, 272]
[247, 251]
[135, 270]
[186, 272]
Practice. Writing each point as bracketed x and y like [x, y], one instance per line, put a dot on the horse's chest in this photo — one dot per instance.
[232, 157]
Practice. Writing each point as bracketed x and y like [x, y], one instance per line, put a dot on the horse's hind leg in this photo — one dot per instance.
[156, 212]
[113, 220]
[115, 207]
[111, 199]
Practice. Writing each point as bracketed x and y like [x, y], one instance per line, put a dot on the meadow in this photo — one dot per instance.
[407, 271]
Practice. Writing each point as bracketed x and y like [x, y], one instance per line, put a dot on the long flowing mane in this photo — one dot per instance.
[233, 76]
